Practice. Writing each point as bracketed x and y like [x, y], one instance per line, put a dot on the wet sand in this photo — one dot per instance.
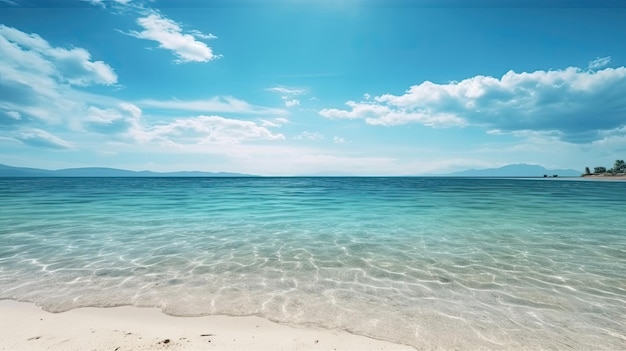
[25, 326]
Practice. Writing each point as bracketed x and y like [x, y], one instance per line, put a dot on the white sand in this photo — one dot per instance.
[25, 326]
[605, 177]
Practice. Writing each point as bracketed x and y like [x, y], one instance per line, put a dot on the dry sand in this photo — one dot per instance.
[605, 177]
[25, 326]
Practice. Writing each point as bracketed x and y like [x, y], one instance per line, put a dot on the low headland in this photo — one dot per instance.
[618, 172]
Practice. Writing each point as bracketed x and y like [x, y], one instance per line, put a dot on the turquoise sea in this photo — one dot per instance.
[429, 262]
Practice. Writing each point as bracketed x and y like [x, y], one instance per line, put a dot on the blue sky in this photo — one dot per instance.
[299, 87]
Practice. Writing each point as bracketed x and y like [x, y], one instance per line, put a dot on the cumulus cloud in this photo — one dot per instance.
[125, 122]
[39, 82]
[40, 138]
[113, 121]
[212, 105]
[389, 115]
[170, 36]
[40, 87]
[575, 103]
[77, 68]
[22, 52]
[210, 130]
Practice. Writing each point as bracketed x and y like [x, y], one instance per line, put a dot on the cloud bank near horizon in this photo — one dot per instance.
[578, 105]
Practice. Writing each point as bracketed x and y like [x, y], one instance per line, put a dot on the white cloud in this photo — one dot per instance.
[210, 130]
[103, 3]
[38, 81]
[39, 87]
[378, 114]
[288, 94]
[199, 34]
[287, 90]
[612, 142]
[276, 122]
[170, 36]
[77, 68]
[358, 110]
[112, 121]
[125, 121]
[102, 116]
[577, 103]
[339, 140]
[599, 62]
[30, 53]
[212, 105]
[266, 123]
[14, 114]
[291, 103]
[306, 135]
[40, 138]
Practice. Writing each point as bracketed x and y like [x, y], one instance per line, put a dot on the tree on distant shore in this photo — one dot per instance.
[598, 170]
[619, 166]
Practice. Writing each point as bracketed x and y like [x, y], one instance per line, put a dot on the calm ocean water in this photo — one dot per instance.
[430, 262]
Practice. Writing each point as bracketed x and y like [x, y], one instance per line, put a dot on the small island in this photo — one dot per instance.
[618, 172]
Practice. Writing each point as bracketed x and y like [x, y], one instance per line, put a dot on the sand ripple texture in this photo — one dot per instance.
[430, 262]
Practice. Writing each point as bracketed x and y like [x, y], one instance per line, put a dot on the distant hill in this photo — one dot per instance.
[516, 170]
[8, 171]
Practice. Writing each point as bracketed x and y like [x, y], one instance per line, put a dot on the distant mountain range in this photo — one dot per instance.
[8, 171]
[516, 170]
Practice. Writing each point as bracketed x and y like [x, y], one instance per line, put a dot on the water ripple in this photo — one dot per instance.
[435, 263]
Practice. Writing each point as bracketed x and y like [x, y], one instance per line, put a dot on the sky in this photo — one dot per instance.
[312, 87]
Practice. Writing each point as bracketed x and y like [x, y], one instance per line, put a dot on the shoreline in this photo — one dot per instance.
[613, 178]
[26, 326]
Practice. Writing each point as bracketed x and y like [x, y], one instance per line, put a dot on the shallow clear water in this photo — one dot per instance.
[430, 262]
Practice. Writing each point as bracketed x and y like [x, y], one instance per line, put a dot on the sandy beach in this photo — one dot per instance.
[25, 326]
[617, 178]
